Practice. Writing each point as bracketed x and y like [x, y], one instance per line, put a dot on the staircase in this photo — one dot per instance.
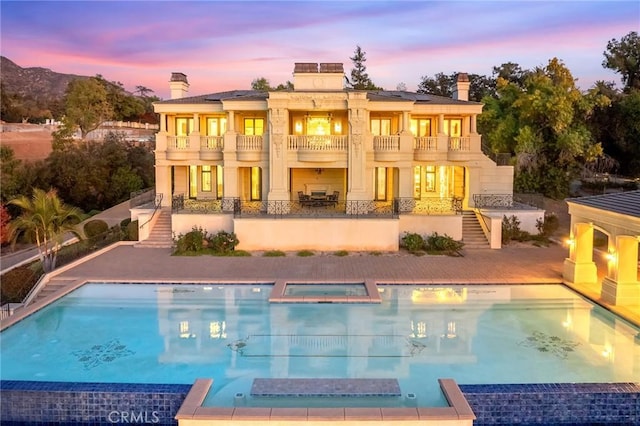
[49, 288]
[472, 235]
[161, 235]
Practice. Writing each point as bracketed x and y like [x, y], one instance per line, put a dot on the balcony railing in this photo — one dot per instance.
[459, 143]
[425, 143]
[249, 142]
[386, 143]
[318, 142]
[212, 143]
[430, 205]
[178, 142]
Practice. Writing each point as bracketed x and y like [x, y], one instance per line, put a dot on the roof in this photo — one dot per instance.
[374, 96]
[626, 203]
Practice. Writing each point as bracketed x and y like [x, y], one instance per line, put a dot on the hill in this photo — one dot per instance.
[40, 84]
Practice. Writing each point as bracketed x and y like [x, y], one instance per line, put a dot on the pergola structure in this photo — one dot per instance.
[618, 216]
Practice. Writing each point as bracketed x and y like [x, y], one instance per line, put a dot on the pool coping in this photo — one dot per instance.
[192, 409]
[278, 292]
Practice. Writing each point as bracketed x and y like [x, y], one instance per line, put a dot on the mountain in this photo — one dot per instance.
[40, 84]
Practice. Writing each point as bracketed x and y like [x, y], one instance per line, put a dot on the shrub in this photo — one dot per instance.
[95, 227]
[413, 242]
[510, 229]
[341, 253]
[305, 253]
[274, 253]
[223, 242]
[443, 244]
[16, 284]
[124, 223]
[547, 226]
[192, 241]
[131, 232]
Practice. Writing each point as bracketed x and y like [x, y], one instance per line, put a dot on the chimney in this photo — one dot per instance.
[461, 88]
[179, 85]
[318, 77]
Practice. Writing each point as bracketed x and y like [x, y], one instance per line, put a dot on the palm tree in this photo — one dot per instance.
[44, 220]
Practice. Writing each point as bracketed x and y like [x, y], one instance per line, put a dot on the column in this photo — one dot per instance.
[163, 122]
[621, 285]
[579, 267]
[163, 184]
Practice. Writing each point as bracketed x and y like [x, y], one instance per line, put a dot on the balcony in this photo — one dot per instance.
[249, 148]
[211, 147]
[459, 149]
[425, 148]
[319, 148]
[180, 148]
[386, 148]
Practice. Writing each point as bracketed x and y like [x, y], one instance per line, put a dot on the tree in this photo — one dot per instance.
[44, 220]
[143, 91]
[359, 78]
[543, 124]
[442, 85]
[5, 218]
[624, 57]
[86, 105]
[260, 83]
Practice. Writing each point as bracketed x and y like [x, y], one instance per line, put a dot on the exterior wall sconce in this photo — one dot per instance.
[570, 242]
[319, 171]
[298, 127]
[611, 256]
[337, 127]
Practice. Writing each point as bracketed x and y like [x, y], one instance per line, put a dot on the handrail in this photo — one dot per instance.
[158, 203]
[35, 289]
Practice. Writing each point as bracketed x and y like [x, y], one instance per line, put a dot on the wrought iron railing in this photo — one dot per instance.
[5, 311]
[352, 209]
[318, 208]
[430, 205]
[488, 201]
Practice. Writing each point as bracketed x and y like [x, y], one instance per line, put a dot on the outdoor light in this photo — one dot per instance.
[611, 256]
[570, 242]
[298, 127]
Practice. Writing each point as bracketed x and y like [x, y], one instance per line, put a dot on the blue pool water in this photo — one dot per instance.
[148, 333]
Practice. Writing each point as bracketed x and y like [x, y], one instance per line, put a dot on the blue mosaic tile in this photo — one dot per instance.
[555, 404]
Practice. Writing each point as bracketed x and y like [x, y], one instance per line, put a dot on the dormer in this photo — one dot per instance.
[313, 76]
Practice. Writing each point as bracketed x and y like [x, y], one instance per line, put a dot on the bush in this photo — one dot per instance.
[223, 242]
[341, 253]
[547, 226]
[95, 227]
[131, 232]
[443, 244]
[413, 242]
[274, 253]
[510, 229]
[305, 253]
[16, 284]
[192, 241]
[124, 223]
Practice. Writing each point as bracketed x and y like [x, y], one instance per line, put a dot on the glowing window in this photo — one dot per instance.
[184, 126]
[381, 183]
[219, 182]
[256, 184]
[216, 126]
[253, 126]
[381, 126]
[206, 178]
[430, 178]
[420, 127]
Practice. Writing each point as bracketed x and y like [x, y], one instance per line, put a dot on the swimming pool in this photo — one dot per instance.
[162, 333]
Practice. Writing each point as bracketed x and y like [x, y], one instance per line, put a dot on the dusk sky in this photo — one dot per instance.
[223, 45]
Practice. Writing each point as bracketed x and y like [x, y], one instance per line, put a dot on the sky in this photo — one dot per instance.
[225, 45]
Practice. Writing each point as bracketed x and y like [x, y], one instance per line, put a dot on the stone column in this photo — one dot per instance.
[579, 267]
[163, 184]
[621, 285]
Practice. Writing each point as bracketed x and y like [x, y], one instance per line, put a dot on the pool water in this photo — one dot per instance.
[313, 289]
[161, 333]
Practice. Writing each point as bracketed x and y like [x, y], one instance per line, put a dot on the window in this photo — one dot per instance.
[216, 126]
[318, 126]
[453, 127]
[381, 126]
[424, 178]
[256, 184]
[253, 126]
[380, 183]
[205, 174]
[420, 127]
[219, 182]
[184, 126]
[193, 181]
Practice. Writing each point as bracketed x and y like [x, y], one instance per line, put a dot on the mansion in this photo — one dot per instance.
[322, 166]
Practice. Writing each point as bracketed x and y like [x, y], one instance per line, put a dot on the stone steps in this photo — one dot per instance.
[472, 233]
[161, 236]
